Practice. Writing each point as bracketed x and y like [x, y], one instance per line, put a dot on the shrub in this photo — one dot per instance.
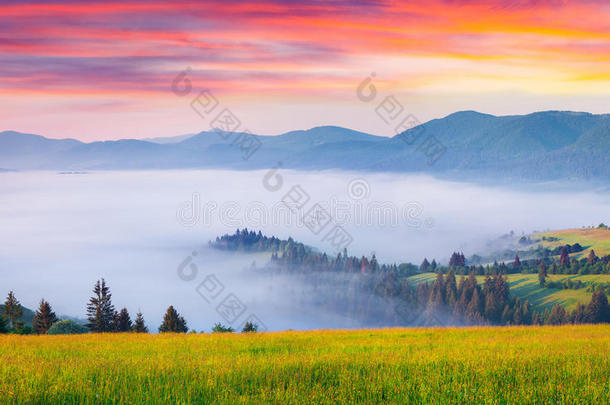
[67, 327]
[250, 327]
[220, 328]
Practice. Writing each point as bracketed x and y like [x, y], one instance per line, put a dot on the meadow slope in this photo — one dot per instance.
[527, 287]
[564, 364]
[589, 238]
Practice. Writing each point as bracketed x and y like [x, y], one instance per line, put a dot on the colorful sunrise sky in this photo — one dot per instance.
[103, 70]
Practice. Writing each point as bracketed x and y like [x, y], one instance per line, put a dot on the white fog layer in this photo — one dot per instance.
[59, 233]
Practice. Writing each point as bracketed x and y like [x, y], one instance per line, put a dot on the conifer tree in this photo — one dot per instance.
[139, 326]
[100, 311]
[564, 259]
[597, 310]
[491, 308]
[12, 310]
[542, 274]
[579, 314]
[44, 318]
[3, 325]
[122, 321]
[507, 315]
[527, 313]
[249, 327]
[450, 289]
[173, 322]
[473, 311]
[558, 316]
[592, 258]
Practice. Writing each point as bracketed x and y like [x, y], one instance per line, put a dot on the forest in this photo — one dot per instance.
[364, 288]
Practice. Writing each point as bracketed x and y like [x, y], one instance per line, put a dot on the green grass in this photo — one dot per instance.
[596, 239]
[489, 365]
[526, 286]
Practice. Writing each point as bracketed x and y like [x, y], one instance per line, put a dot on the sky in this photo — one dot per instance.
[108, 70]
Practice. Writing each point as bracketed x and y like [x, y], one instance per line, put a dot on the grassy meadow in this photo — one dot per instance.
[566, 364]
[590, 238]
[527, 287]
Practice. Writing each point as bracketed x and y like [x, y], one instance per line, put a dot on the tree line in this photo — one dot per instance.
[102, 317]
[445, 300]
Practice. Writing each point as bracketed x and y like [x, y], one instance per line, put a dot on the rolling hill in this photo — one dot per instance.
[590, 238]
[541, 146]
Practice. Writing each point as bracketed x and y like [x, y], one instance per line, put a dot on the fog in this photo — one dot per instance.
[61, 232]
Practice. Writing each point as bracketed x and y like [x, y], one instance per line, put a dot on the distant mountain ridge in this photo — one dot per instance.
[540, 146]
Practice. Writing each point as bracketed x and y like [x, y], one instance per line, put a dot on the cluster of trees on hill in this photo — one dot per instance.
[445, 300]
[249, 241]
[591, 264]
[101, 318]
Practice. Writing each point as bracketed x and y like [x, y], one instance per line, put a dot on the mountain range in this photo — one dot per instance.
[541, 146]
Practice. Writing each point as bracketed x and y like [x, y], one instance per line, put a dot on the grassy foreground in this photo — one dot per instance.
[491, 365]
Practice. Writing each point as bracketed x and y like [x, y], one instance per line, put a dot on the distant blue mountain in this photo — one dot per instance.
[540, 146]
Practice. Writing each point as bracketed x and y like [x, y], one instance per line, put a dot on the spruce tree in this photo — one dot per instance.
[44, 318]
[122, 321]
[100, 311]
[542, 274]
[3, 325]
[564, 259]
[492, 308]
[139, 326]
[598, 310]
[473, 311]
[579, 314]
[592, 258]
[558, 316]
[173, 322]
[12, 310]
[249, 327]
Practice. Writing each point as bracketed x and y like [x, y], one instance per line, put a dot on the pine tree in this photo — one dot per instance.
[173, 322]
[542, 274]
[450, 289]
[249, 327]
[139, 326]
[473, 311]
[592, 258]
[579, 314]
[564, 259]
[3, 325]
[122, 321]
[491, 308]
[100, 311]
[558, 316]
[517, 262]
[44, 318]
[597, 310]
[517, 315]
[536, 319]
[527, 313]
[507, 315]
[12, 310]
[424, 265]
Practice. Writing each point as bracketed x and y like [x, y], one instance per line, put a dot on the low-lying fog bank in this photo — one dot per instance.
[61, 232]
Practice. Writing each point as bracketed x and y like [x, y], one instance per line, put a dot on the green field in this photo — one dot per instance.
[596, 239]
[527, 286]
[494, 365]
